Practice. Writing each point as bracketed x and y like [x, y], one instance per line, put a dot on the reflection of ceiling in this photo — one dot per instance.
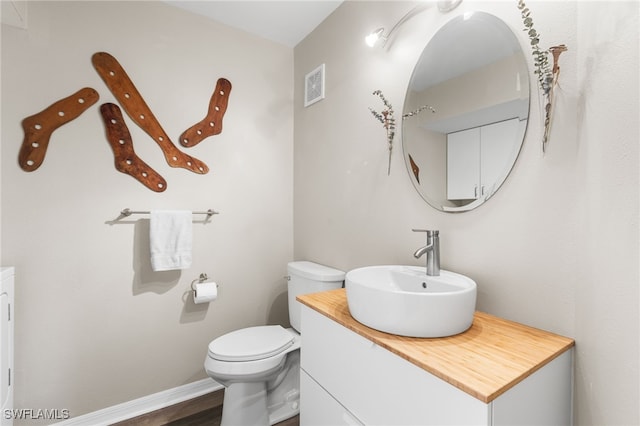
[513, 109]
[461, 46]
[286, 22]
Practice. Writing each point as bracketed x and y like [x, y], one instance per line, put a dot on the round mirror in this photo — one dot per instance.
[465, 112]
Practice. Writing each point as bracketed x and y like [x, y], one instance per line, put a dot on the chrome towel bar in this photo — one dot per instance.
[129, 212]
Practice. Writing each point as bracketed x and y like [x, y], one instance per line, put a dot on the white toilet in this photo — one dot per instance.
[260, 366]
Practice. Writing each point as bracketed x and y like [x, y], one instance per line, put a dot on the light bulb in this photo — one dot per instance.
[373, 38]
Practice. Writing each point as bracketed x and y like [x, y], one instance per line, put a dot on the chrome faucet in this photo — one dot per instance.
[432, 250]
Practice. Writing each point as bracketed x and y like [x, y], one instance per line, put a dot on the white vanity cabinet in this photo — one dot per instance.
[348, 379]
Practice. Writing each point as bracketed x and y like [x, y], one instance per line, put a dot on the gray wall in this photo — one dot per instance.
[94, 325]
[556, 247]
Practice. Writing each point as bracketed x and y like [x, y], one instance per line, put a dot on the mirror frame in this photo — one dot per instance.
[445, 119]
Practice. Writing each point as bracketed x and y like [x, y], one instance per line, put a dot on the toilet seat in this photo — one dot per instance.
[251, 344]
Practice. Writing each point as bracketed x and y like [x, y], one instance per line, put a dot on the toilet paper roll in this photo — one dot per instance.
[205, 292]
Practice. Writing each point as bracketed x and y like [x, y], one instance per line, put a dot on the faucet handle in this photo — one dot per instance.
[429, 232]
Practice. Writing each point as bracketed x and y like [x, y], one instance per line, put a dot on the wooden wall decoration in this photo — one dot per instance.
[414, 168]
[126, 160]
[130, 99]
[39, 127]
[212, 123]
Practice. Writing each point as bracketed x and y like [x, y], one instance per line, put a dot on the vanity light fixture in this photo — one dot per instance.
[445, 6]
[374, 37]
[377, 35]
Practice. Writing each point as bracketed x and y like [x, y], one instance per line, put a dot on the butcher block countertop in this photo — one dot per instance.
[485, 361]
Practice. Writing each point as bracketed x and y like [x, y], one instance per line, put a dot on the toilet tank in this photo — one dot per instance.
[308, 277]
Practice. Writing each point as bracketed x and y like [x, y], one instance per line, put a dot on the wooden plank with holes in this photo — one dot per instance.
[126, 160]
[132, 102]
[212, 123]
[39, 127]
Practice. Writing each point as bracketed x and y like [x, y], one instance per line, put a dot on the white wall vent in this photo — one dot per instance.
[314, 86]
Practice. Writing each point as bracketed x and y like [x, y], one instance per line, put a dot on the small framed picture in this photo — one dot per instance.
[314, 86]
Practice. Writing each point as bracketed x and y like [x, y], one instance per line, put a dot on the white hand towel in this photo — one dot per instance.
[170, 235]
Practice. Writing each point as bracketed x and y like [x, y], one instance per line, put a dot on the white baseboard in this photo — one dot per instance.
[146, 404]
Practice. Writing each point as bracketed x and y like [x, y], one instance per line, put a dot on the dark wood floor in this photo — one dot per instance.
[205, 410]
[213, 416]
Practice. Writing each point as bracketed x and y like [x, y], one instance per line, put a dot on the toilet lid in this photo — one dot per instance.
[250, 344]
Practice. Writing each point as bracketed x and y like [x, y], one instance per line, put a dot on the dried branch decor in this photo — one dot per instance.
[388, 122]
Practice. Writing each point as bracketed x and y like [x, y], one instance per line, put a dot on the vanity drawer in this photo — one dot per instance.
[318, 408]
[377, 386]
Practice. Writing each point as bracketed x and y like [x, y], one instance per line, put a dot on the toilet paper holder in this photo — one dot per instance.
[202, 278]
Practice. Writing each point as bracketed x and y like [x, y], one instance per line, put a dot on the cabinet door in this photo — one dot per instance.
[4, 348]
[463, 164]
[318, 408]
[543, 398]
[499, 148]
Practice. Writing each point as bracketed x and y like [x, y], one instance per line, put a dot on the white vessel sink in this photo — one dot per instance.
[403, 300]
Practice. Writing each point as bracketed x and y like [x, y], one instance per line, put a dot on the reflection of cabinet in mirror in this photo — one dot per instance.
[476, 158]
[474, 73]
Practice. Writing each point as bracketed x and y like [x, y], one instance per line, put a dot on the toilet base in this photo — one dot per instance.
[283, 396]
[245, 404]
[264, 403]
[249, 404]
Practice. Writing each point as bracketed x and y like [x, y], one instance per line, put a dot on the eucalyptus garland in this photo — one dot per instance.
[540, 57]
